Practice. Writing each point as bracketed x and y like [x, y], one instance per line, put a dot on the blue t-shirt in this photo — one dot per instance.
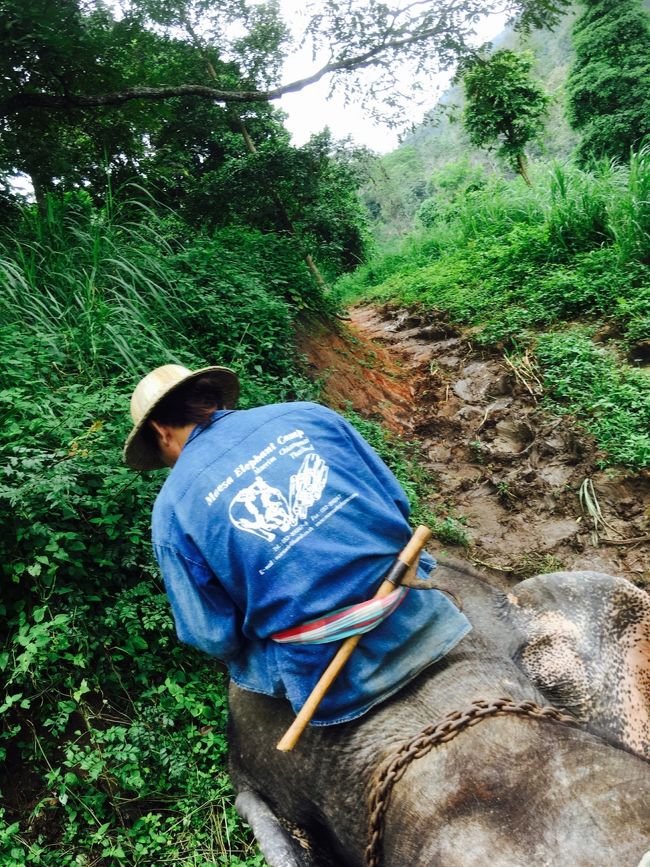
[281, 514]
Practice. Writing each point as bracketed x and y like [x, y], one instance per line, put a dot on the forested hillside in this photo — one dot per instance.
[172, 221]
[553, 259]
[401, 181]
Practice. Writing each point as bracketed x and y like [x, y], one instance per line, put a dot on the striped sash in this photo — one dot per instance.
[344, 622]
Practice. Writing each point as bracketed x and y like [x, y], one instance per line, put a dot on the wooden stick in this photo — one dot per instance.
[405, 559]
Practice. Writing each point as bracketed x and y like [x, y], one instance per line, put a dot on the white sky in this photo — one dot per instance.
[312, 109]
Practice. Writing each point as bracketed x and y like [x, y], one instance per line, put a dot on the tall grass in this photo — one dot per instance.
[608, 204]
[120, 290]
[629, 214]
[587, 232]
[514, 261]
[93, 292]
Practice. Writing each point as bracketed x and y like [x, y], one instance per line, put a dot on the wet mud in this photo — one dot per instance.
[509, 469]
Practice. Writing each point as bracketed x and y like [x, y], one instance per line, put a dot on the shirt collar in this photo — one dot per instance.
[216, 416]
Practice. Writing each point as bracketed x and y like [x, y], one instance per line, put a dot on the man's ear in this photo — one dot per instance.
[163, 431]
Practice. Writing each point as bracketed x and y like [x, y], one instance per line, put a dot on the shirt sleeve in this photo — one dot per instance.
[204, 614]
[382, 473]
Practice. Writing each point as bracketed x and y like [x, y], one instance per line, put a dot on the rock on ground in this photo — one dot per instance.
[508, 468]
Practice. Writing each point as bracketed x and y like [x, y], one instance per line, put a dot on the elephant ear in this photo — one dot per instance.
[281, 847]
[584, 641]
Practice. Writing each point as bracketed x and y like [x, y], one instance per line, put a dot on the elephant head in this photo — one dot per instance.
[511, 791]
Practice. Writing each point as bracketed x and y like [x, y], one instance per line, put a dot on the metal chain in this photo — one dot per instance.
[440, 733]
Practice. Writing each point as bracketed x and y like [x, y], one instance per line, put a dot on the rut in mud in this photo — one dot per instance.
[506, 467]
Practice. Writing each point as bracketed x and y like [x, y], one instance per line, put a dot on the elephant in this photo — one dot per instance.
[511, 791]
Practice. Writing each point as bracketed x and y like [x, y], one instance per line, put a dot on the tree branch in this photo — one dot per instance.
[413, 32]
[52, 100]
[372, 56]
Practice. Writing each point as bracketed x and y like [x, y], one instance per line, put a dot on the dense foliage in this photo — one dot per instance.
[113, 735]
[398, 181]
[211, 164]
[609, 84]
[517, 262]
[348, 37]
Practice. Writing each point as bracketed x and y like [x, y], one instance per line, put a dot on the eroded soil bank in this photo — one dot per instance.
[506, 467]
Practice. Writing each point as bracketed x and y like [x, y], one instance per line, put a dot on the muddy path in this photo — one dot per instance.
[508, 469]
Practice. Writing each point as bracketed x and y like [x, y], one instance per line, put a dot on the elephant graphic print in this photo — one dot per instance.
[266, 512]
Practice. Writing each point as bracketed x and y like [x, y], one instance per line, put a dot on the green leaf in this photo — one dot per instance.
[82, 690]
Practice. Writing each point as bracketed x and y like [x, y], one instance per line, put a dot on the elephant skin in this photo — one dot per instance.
[509, 791]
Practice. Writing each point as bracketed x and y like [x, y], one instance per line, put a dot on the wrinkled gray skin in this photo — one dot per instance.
[509, 792]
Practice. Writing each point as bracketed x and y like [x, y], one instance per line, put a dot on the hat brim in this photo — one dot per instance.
[138, 454]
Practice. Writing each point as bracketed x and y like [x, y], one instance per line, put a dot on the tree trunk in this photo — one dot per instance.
[522, 168]
[42, 186]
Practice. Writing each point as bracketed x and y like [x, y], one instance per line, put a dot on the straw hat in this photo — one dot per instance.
[149, 392]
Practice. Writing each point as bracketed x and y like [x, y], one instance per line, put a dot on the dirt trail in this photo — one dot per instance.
[507, 468]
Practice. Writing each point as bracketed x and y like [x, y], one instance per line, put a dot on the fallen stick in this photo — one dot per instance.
[635, 541]
[495, 567]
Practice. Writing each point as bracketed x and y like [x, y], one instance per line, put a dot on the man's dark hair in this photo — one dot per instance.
[191, 403]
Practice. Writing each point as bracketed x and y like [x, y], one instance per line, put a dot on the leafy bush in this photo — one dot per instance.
[609, 84]
[447, 188]
[113, 731]
[578, 210]
[116, 730]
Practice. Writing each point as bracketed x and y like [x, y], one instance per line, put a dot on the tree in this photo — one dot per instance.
[430, 35]
[609, 84]
[504, 105]
[83, 93]
[57, 45]
[196, 156]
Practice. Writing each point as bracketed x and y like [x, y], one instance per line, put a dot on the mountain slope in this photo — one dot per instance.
[399, 181]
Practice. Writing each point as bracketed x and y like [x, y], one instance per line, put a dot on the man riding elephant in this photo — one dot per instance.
[272, 531]
[274, 519]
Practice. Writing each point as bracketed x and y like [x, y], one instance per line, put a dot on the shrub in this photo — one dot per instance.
[613, 402]
[116, 731]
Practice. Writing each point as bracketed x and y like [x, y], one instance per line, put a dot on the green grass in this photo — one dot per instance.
[102, 295]
[610, 399]
[514, 262]
[507, 258]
